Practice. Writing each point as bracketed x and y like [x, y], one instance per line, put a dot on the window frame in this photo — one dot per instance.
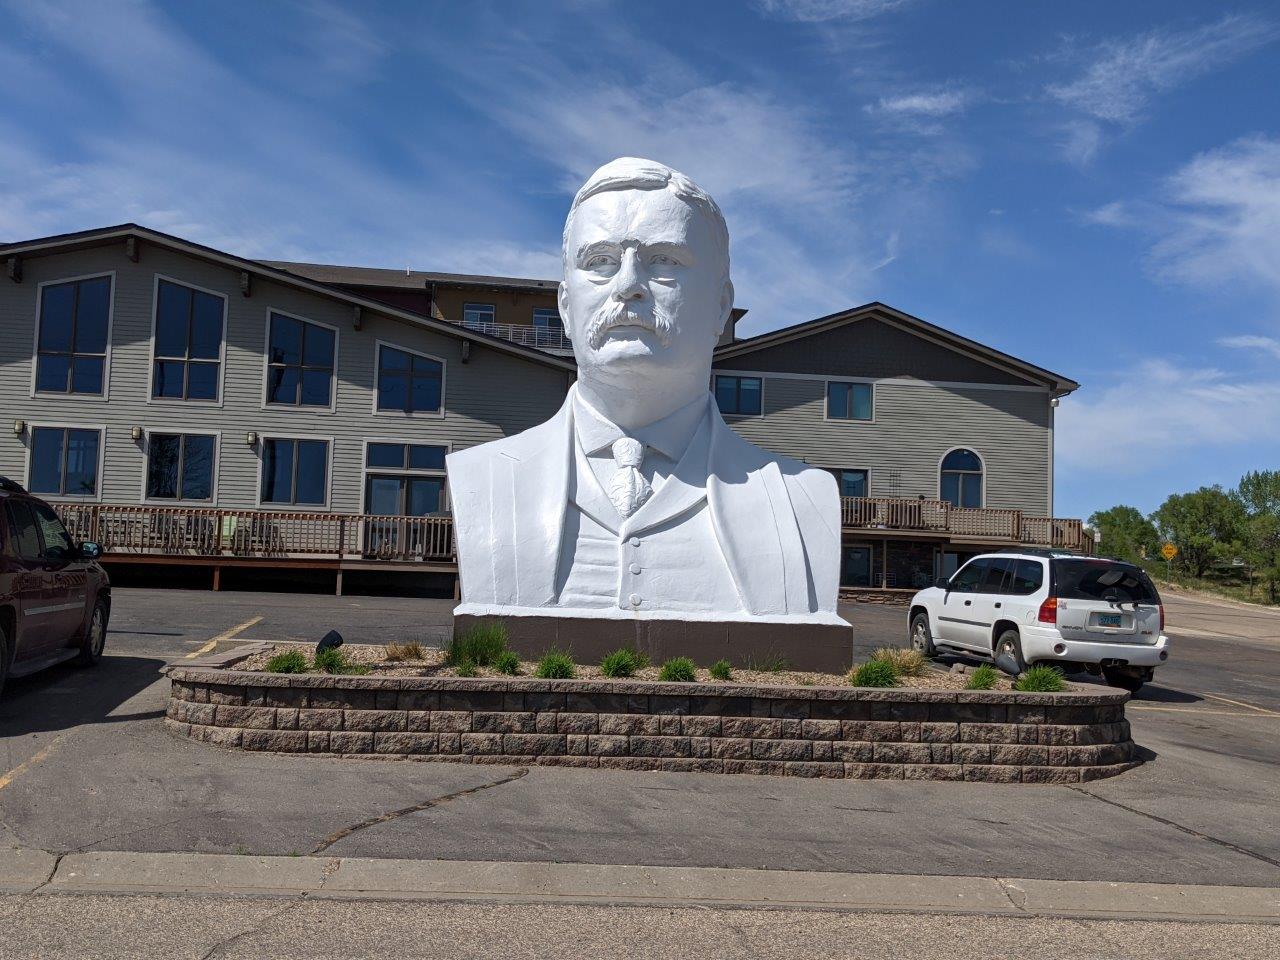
[222, 350]
[273, 506]
[716, 376]
[106, 356]
[365, 469]
[402, 414]
[851, 381]
[493, 311]
[29, 446]
[982, 486]
[839, 486]
[146, 466]
[266, 366]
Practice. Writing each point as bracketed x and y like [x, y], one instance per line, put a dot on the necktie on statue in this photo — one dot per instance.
[628, 489]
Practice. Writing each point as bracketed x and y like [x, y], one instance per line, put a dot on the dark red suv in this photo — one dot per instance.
[55, 598]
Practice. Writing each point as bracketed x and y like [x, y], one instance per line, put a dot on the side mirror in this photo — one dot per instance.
[90, 550]
[943, 583]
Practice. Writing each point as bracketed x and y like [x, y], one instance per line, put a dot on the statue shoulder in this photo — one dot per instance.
[516, 447]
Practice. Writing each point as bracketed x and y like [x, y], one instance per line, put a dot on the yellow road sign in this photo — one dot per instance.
[1168, 551]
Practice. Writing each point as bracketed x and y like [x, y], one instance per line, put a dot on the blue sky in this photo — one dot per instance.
[1092, 186]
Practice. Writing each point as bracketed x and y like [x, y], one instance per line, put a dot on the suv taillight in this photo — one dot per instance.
[1162, 618]
[1049, 611]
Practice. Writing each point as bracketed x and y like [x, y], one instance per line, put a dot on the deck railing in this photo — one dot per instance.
[196, 532]
[544, 338]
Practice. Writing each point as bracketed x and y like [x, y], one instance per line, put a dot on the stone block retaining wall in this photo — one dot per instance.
[864, 733]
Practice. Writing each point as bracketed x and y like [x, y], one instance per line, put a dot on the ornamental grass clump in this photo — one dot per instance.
[290, 661]
[412, 650]
[464, 668]
[678, 670]
[1041, 679]
[555, 665]
[482, 644]
[333, 660]
[623, 663]
[721, 670]
[905, 662]
[874, 673]
[983, 678]
[507, 662]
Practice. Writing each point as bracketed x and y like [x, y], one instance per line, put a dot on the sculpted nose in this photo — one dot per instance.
[628, 283]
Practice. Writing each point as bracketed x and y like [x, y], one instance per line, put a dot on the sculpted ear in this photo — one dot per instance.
[726, 307]
[562, 299]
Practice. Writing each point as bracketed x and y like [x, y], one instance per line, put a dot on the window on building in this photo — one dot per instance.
[188, 343]
[961, 481]
[848, 401]
[740, 395]
[852, 483]
[300, 362]
[409, 382]
[295, 472]
[64, 461]
[404, 479]
[180, 466]
[71, 344]
[855, 566]
[548, 326]
[477, 315]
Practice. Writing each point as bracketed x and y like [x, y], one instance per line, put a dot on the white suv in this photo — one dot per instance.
[1025, 607]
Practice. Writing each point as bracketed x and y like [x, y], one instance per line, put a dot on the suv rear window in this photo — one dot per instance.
[1102, 580]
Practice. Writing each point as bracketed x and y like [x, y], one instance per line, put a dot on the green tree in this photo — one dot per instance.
[1204, 525]
[1126, 533]
[1259, 496]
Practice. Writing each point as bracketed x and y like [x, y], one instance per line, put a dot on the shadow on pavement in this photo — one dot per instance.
[69, 696]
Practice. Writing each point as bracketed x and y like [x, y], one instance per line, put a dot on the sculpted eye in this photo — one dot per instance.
[662, 258]
[599, 260]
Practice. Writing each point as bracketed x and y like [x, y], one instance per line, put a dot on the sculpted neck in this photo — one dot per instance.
[634, 402]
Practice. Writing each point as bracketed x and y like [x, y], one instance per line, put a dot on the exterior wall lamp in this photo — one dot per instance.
[136, 434]
[251, 439]
[19, 427]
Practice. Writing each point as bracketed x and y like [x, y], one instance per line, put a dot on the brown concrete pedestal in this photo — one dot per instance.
[820, 647]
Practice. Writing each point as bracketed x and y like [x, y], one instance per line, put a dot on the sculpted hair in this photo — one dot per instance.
[635, 173]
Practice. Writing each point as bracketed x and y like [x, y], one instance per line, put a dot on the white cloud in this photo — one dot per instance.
[1114, 214]
[935, 103]
[1255, 343]
[1124, 74]
[819, 11]
[1080, 141]
[1150, 415]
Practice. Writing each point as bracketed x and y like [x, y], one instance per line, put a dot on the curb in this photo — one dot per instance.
[36, 871]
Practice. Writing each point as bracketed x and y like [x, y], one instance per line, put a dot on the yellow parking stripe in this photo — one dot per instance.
[30, 762]
[213, 642]
[1241, 703]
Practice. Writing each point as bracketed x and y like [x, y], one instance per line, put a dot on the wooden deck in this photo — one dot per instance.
[301, 539]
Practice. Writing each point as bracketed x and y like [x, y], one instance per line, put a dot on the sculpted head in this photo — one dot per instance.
[646, 290]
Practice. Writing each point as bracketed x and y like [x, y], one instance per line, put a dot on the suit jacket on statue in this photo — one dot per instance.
[776, 523]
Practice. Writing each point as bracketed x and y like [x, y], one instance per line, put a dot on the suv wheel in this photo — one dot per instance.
[1008, 653]
[95, 635]
[1125, 678]
[921, 636]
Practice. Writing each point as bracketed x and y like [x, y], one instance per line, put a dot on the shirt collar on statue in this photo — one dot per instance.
[670, 436]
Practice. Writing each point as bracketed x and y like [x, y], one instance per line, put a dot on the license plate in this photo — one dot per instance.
[1109, 620]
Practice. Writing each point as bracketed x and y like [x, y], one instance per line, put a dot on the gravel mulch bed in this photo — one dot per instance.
[432, 664]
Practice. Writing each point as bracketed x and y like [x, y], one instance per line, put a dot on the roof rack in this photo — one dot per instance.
[12, 486]
[1037, 551]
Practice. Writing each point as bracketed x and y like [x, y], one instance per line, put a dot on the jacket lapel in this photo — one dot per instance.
[683, 489]
[537, 489]
[755, 526]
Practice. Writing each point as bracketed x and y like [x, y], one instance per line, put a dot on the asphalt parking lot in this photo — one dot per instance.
[86, 764]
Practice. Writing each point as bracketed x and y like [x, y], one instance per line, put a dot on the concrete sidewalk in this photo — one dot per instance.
[40, 872]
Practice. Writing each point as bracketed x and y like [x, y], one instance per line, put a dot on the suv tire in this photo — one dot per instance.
[95, 635]
[1008, 653]
[922, 636]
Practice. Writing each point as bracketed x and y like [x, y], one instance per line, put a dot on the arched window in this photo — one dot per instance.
[961, 483]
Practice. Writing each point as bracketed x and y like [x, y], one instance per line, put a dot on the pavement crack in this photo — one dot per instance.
[1015, 894]
[416, 808]
[1177, 826]
[53, 871]
[250, 931]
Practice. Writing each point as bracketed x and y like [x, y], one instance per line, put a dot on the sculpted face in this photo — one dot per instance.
[645, 290]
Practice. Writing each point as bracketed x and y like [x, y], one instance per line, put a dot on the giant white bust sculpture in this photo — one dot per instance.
[636, 500]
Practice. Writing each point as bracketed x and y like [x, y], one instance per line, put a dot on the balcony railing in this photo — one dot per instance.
[939, 516]
[544, 338]
[262, 534]
[259, 534]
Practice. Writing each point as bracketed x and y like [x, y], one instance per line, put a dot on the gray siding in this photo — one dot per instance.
[493, 395]
[914, 426]
[870, 348]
